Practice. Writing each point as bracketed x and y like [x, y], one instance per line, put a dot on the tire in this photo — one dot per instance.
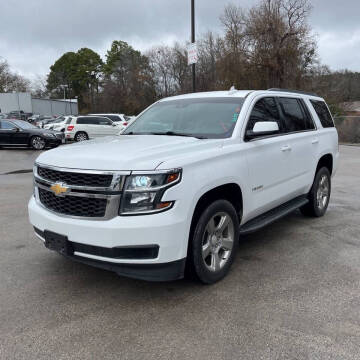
[81, 136]
[319, 195]
[210, 256]
[37, 143]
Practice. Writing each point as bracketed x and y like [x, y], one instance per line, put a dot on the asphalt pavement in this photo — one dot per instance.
[293, 292]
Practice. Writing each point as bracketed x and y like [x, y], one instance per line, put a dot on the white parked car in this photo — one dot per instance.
[88, 127]
[59, 124]
[118, 118]
[188, 177]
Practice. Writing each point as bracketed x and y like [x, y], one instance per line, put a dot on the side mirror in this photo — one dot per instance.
[263, 128]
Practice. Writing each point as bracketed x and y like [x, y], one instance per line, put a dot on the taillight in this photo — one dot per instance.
[70, 128]
[125, 123]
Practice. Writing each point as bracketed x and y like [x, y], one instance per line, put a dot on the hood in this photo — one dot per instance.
[125, 152]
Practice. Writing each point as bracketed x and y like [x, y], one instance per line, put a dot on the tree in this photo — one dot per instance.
[128, 80]
[80, 72]
[272, 41]
[10, 81]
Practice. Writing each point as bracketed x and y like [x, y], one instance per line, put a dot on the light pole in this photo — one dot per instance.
[193, 40]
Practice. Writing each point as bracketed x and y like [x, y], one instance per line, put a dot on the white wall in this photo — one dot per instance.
[15, 102]
[54, 107]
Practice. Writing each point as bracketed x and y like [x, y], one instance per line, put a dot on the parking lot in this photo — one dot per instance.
[293, 292]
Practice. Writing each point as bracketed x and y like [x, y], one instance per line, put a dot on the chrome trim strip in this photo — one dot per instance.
[78, 194]
[84, 171]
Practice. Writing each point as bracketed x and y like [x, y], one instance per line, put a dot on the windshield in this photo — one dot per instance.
[200, 117]
[24, 124]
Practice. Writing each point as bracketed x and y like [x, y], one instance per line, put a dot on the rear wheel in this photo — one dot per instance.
[81, 136]
[319, 195]
[37, 143]
[215, 241]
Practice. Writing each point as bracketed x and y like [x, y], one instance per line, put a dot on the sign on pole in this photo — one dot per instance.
[192, 54]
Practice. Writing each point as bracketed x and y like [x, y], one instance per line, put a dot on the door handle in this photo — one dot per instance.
[286, 148]
[315, 141]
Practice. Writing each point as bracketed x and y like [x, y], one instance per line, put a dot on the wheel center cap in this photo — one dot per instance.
[214, 240]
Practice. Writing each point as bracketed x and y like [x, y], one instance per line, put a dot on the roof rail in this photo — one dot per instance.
[293, 91]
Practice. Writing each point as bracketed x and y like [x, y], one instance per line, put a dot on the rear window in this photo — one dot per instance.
[323, 113]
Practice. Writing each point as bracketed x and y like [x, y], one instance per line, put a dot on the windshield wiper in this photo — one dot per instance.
[173, 133]
[168, 133]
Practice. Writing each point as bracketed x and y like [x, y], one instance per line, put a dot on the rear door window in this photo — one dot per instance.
[323, 113]
[296, 118]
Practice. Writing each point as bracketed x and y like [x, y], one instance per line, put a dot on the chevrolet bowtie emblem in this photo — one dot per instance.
[59, 189]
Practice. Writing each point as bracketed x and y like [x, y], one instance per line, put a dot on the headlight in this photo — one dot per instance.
[143, 192]
[48, 135]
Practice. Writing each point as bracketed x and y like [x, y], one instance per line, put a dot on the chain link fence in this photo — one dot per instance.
[348, 128]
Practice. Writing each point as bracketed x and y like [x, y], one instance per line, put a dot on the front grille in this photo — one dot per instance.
[73, 205]
[73, 178]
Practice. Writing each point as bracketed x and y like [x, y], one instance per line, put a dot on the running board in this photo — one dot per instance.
[272, 215]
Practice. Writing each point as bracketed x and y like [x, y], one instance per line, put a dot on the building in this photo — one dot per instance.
[25, 102]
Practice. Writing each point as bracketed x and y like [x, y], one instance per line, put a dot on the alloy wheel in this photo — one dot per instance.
[218, 241]
[322, 194]
[38, 143]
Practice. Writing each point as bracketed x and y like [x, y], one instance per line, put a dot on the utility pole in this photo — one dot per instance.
[193, 41]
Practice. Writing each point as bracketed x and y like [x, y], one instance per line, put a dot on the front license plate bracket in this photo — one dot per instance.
[58, 242]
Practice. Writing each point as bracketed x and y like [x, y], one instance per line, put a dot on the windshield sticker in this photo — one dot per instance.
[235, 117]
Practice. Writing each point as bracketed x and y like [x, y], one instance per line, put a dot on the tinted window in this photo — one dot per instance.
[264, 110]
[5, 125]
[87, 121]
[295, 117]
[113, 117]
[104, 121]
[323, 113]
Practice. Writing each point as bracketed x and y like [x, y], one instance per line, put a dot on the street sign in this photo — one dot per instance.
[192, 54]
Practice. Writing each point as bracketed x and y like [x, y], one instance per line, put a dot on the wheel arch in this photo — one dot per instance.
[327, 161]
[229, 191]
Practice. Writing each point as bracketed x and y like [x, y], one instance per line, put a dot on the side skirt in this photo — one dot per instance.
[272, 215]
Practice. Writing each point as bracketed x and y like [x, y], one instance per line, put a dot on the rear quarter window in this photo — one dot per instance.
[323, 113]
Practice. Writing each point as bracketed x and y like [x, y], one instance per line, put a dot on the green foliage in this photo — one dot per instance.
[79, 71]
[128, 85]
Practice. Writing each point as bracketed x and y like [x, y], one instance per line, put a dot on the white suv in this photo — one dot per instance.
[88, 127]
[118, 118]
[200, 170]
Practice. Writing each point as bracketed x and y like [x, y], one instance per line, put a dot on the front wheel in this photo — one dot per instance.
[215, 242]
[319, 195]
[37, 143]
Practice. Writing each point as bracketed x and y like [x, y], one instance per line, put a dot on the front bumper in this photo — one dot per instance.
[160, 230]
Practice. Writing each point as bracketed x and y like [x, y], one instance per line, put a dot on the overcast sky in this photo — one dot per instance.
[34, 33]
